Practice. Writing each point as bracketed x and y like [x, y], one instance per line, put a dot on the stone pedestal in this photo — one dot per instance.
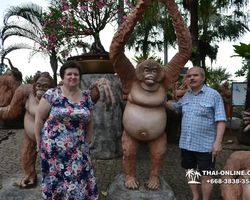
[11, 192]
[118, 191]
[108, 128]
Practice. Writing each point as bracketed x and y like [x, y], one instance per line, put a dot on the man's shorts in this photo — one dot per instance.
[192, 159]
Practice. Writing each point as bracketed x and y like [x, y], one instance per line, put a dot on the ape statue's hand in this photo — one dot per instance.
[102, 90]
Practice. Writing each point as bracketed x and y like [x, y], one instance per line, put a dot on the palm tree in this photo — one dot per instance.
[28, 27]
[216, 76]
[146, 35]
[208, 26]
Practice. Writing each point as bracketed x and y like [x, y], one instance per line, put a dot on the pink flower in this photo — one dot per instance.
[71, 28]
[63, 18]
[84, 7]
[89, 31]
[124, 17]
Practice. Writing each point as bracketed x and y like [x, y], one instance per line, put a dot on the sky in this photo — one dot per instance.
[20, 58]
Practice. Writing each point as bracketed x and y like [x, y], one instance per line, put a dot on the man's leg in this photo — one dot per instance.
[194, 188]
[189, 162]
[206, 187]
[205, 163]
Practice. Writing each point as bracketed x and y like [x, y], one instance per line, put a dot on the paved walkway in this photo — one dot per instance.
[105, 170]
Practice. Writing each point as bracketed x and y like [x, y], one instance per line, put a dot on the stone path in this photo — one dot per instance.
[105, 170]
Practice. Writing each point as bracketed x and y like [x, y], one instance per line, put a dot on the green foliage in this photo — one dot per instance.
[28, 79]
[216, 76]
[146, 57]
[71, 21]
[243, 51]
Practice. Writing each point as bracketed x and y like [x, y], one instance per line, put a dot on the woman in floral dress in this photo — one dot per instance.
[63, 128]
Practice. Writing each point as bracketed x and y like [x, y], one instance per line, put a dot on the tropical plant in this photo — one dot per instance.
[147, 56]
[243, 51]
[26, 22]
[28, 79]
[216, 76]
[210, 24]
[154, 31]
[71, 21]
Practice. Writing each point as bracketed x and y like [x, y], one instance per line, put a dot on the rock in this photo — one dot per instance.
[11, 192]
[108, 128]
[236, 123]
[118, 191]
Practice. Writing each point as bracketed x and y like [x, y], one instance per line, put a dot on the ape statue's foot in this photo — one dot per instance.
[153, 183]
[26, 181]
[131, 183]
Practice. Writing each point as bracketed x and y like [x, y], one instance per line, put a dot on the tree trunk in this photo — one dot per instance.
[97, 47]
[194, 30]
[54, 65]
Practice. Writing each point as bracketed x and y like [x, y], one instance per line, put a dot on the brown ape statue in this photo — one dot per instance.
[28, 96]
[9, 82]
[237, 161]
[179, 89]
[145, 88]
[226, 95]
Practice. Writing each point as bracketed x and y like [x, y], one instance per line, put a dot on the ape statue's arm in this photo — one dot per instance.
[8, 85]
[174, 67]
[123, 67]
[102, 90]
[17, 103]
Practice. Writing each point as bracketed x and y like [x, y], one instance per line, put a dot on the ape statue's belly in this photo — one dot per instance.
[144, 123]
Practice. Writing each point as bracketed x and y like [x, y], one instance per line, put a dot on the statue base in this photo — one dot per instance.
[118, 191]
[10, 191]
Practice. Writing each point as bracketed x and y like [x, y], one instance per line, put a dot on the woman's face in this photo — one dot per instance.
[71, 77]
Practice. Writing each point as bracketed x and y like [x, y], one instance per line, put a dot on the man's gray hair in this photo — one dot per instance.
[201, 70]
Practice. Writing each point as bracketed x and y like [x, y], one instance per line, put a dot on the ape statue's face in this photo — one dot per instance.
[150, 74]
[42, 85]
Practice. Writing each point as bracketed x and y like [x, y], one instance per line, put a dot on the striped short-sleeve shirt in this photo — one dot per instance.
[200, 114]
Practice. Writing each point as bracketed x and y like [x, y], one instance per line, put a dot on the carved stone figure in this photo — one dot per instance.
[28, 96]
[179, 89]
[237, 161]
[226, 95]
[106, 139]
[145, 88]
[9, 82]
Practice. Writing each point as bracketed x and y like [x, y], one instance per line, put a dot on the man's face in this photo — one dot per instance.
[196, 81]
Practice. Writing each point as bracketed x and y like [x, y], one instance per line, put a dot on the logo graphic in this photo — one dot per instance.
[193, 175]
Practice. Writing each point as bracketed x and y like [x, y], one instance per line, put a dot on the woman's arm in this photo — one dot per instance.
[42, 113]
[90, 127]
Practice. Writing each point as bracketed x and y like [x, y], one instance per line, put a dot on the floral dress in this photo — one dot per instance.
[67, 171]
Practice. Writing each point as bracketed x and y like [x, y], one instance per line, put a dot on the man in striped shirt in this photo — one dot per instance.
[202, 128]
